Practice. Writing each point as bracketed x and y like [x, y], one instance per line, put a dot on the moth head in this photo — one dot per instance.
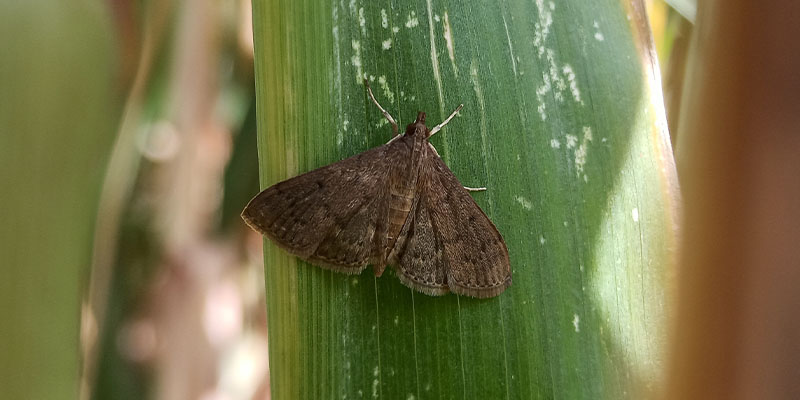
[418, 126]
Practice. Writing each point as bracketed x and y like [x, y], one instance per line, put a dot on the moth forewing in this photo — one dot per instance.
[395, 204]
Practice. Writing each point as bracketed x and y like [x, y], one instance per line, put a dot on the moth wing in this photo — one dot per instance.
[334, 216]
[418, 255]
[468, 254]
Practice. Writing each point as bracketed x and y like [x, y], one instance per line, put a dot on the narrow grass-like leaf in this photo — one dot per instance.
[58, 115]
[562, 122]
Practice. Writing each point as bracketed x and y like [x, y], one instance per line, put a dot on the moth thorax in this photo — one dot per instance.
[420, 130]
[418, 126]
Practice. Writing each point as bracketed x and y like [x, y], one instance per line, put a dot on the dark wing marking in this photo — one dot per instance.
[334, 216]
[473, 251]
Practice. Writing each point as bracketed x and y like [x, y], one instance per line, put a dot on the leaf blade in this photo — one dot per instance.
[561, 195]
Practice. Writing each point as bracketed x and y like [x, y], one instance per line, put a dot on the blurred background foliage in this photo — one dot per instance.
[153, 102]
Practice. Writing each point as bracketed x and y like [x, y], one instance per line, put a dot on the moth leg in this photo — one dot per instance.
[439, 127]
[434, 149]
[384, 112]
[469, 189]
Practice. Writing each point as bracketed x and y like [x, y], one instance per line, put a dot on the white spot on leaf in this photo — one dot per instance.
[580, 152]
[356, 60]
[542, 26]
[555, 79]
[386, 90]
[587, 133]
[525, 203]
[597, 34]
[572, 141]
[412, 20]
[573, 84]
[375, 382]
[541, 91]
[362, 22]
[384, 19]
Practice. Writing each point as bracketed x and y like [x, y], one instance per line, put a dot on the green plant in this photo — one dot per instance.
[562, 122]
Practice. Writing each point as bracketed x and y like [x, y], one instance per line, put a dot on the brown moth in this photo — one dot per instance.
[395, 204]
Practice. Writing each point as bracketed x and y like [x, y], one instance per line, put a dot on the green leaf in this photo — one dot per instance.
[562, 122]
[58, 117]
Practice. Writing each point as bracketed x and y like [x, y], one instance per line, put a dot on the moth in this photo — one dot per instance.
[397, 204]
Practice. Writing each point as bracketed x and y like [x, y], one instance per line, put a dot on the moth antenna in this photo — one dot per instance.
[384, 112]
[439, 127]
[395, 137]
